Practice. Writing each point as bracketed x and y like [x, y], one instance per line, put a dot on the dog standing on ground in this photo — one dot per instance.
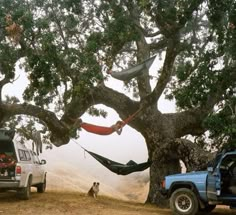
[94, 190]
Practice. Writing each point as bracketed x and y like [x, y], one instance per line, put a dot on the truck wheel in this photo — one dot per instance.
[24, 193]
[183, 201]
[42, 186]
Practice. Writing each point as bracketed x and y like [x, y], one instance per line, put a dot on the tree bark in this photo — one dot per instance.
[163, 163]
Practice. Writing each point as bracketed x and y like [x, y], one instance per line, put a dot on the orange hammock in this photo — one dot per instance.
[96, 129]
[102, 130]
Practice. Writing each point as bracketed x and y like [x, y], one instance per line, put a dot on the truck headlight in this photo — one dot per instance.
[163, 184]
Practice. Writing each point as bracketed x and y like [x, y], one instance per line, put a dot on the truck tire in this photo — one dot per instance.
[184, 201]
[42, 186]
[24, 193]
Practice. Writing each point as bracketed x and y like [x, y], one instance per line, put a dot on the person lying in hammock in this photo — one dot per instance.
[100, 130]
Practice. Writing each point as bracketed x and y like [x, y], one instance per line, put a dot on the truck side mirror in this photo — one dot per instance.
[210, 169]
[43, 161]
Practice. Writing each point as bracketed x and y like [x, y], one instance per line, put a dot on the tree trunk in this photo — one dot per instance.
[164, 162]
[166, 156]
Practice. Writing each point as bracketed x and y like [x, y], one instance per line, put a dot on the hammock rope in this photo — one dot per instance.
[130, 118]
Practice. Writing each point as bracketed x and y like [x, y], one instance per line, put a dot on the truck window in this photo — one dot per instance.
[35, 157]
[27, 154]
[215, 161]
[228, 162]
[24, 155]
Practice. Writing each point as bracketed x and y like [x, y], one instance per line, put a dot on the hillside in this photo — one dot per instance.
[74, 203]
[64, 177]
[69, 169]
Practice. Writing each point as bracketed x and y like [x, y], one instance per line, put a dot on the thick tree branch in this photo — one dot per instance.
[166, 73]
[187, 122]
[142, 50]
[101, 94]
[193, 156]
[166, 28]
[146, 33]
[60, 133]
[143, 80]
[171, 52]
[118, 101]
[77, 107]
[158, 46]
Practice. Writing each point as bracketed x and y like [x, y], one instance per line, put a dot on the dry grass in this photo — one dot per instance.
[74, 203]
[54, 202]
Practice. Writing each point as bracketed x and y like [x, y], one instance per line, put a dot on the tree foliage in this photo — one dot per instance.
[66, 47]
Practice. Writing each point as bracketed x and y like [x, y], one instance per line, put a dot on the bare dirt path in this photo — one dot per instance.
[74, 203]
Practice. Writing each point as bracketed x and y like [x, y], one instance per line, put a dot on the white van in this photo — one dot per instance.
[20, 168]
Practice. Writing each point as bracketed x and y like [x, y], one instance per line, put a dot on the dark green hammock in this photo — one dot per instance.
[118, 168]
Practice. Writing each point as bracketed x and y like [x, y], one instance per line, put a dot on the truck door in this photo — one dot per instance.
[218, 180]
[36, 169]
[213, 185]
[24, 164]
[214, 180]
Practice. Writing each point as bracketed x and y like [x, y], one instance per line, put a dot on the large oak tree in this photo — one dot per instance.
[66, 47]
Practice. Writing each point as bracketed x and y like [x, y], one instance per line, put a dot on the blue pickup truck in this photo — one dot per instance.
[197, 191]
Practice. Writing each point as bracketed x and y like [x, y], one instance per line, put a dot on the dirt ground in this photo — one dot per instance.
[74, 203]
